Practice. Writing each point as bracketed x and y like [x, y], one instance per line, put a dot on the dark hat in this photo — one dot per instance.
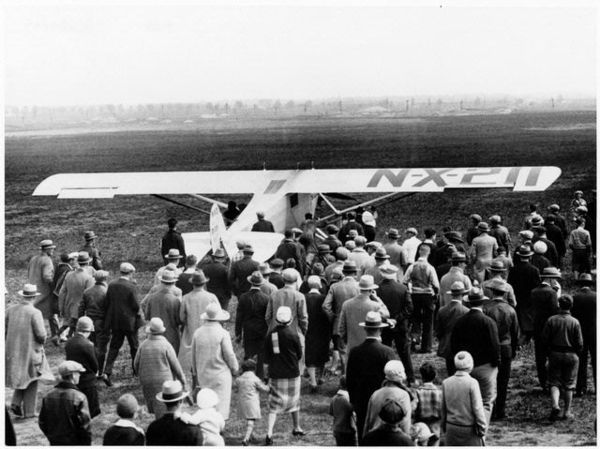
[475, 217]
[524, 251]
[498, 285]
[565, 302]
[199, 278]
[373, 321]
[454, 236]
[276, 263]
[381, 254]
[89, 235]
[248, 249]
[537, 220]
[220, 253]
[497, 266]
[332, 229]
[391, 412]
[495, 219]
[83, 257]
[483, 226]
[585, 279]
[256, 278]
[349, 267]
[323, 249]
[172, 222]
[476, 297]
[551, 273]
[459, 257]
[393, 233]
[554, 207]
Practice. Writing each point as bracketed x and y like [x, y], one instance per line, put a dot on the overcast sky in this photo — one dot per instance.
[150, 53]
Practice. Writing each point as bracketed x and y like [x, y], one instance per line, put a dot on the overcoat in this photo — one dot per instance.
[25, 335]
[40, 272]
[71, 292]
[165, 303]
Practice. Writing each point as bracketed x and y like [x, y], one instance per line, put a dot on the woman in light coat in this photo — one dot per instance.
[463, 417]
[155, 362]
[25, 360]
[213, 359]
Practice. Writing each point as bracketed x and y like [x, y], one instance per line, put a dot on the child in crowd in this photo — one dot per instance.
[429, 397]
[207, 417]
[249, 387]
[344, 419]
[124, 432]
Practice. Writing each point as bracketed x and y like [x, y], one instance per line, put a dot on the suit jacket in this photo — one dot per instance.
[240, 270]
[250, 316]
[294, 300]
[168, 431]
[81, 350]
[93, 303]
[65, 416]
[218, 283]
[524, 277]
[122, 306]
[555, 235]
[71, 292]
[584, 309]
[544, 304]
[354, 311]
[477, 334]
[551, 253]
[364, 372]
[288, 249]
[445, 321]
[338, 294]
[40, 272]
[506, 320]
[172, 239]
[396, 298]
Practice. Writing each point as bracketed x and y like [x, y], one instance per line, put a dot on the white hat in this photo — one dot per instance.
[206, 398]
[394, 371]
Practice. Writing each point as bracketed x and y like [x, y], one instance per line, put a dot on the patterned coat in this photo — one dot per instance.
[165, 303]
[213, 360]
[71, 292]
[40, 272]
[155, 362]
[25, 335]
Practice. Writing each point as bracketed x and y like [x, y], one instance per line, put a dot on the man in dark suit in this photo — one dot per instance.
[445, 321]
[289, 249]
[508, 333]
[397, 299]
[524, 277]
[555, 235]
[364, 373]
[262, 225]
[218, 279]
[477, 334]
[539, 234]
[172, 239]
[170, 430]
[544, 302]
[584, 309]
[81, 350]
[122, 313]
[240, 270]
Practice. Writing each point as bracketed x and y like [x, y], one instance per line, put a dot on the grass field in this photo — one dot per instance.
[130, 227]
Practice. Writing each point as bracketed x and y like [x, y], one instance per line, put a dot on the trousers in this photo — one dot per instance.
[423, 307]
[26, 399]
[116, 341]
[589, 346]
[401, 339]
[503, 378]
[486, 375]
[541, 358]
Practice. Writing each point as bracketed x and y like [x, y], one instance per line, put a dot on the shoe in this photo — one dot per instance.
[245, 442]
[298, 432]
[106, 379]
[268, 441]
[16, 410]
[567, 415]
[579, 394]
[313, 388]
[555, 414]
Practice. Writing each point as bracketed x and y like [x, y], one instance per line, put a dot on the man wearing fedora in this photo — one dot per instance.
[262, 225]
[165, 303]
[455, 274]
[524, 277]
[250, 324]
[500, 232]
[424, 287]
[173, 257]
[331, 240]
[584, 310]
[156, 362]
[477, 334]
[91, 248]
[81, 350]
[508, 334]
[218, 277]
[193, 305]
[544, 304]
[445, 321]
[93, 305]
[40, 272]
[341, 255]
[172, 240]
[473, 232]
[353, 311]
[71, 292]
[366, 363]
[65, 416]
[483, 249]
[555, 234]
[394, 249]
[497, 272]
[276, 278]
[289, 249]
[169, 430]
[240, 270]
[24, 358]
[266, 287]
[338, 294]
[183, 280]
[381, 259]
[396, 298]
[122, 316]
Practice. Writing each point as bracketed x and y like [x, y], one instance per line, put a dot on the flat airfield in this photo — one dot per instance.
[130, 228]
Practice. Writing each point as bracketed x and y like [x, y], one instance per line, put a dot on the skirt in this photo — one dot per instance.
[284, 395]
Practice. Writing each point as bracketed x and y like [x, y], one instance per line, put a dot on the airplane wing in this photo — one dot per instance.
[266, 182]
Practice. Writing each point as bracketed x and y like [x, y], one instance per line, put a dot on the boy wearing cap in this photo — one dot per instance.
[584, 310]
[40, 272]
[24, 360]
[125, 432]
[71, 292]
[344, 419]
[508, 335]
[81, 350]
[562, 336]
[64, 416]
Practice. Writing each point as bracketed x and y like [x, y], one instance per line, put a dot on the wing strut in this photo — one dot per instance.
[384, 199]
[179, 203]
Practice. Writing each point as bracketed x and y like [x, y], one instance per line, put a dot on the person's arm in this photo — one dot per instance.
[83, 305]
[83, 420]
[342, 325]
[228, 353]
[239, 319]
[328, 305]
[62, 296]
[302, 314]
[477, 409]
[48, 272]
[43, 420]
[176, 369]
[39, 330]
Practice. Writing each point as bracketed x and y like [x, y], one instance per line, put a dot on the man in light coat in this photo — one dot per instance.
[40, 272]
[164, 303]
[483, 249]
[71, 292]
[456, 274]
[25, 362]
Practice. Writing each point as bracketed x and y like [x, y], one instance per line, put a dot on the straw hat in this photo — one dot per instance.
[172, 391]
[215, 313]
[29, 291]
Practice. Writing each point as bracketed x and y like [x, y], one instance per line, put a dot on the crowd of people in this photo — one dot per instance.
[345, 305]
